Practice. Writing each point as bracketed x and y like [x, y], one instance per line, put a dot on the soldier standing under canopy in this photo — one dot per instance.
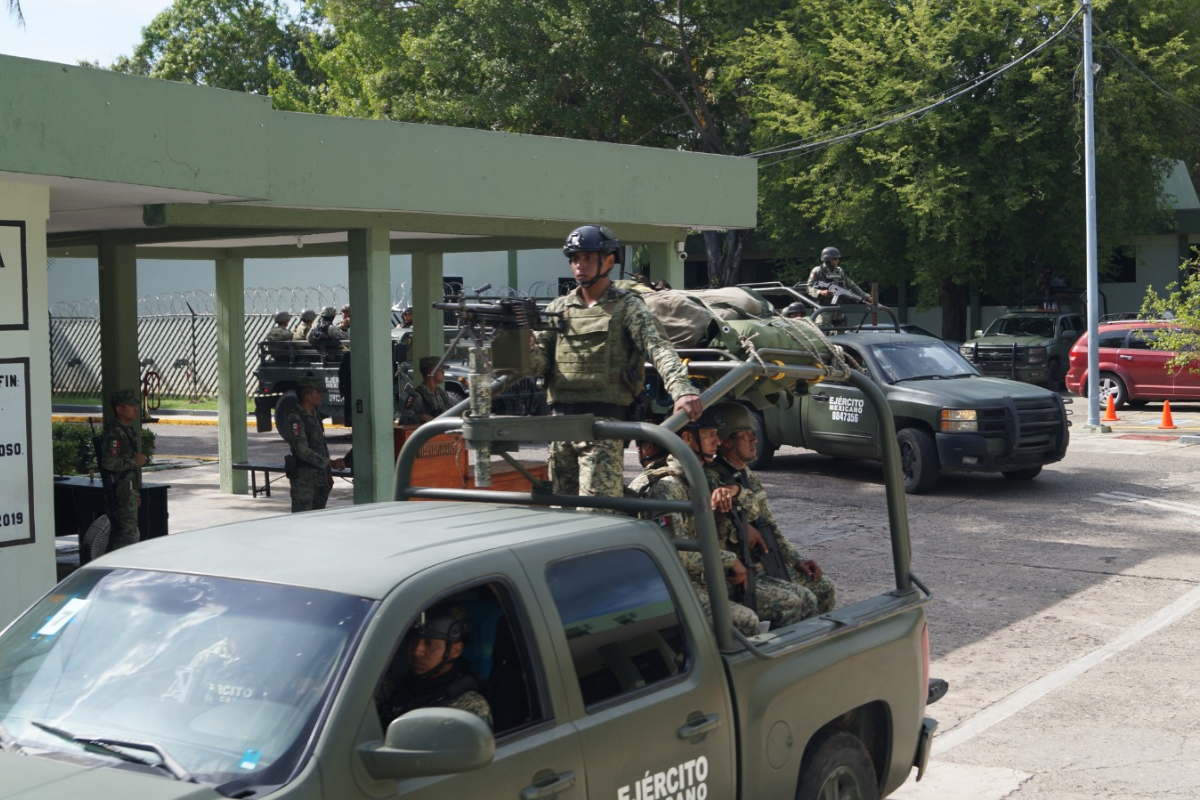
[121, 458]
[595, 365]
[309, 465]
[428, 399]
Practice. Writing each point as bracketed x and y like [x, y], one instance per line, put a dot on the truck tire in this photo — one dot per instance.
[766, 449]
[1054, 375]
[918, 460]
[1027, 474]
[840, 769]
[283, 407]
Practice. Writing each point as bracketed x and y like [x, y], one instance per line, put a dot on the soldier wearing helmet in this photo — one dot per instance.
[121, 462]
[829, 271]
[309, 465]
[344, 325]
[279, 331]
[323, 330]
[307, 317]
[738, 493]
[796, 309]
[427, 399]
[437, 674]
[663, 478]
[594, 366]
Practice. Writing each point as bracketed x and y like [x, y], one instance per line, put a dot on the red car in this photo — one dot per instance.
[1130, 369]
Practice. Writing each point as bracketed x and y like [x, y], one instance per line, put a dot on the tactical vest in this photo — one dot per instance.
[593, 362]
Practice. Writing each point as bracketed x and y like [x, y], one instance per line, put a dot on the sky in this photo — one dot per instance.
[69, 31]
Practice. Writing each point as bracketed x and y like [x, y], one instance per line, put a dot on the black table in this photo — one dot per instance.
[79, 501]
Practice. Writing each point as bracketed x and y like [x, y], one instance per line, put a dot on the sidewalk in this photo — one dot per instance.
[66, 413]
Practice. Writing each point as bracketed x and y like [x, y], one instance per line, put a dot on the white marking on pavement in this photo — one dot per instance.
[1031, 693]
[1133, 501]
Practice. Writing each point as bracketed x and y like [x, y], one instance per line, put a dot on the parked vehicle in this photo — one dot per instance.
[1131, 370]
[1029, 345]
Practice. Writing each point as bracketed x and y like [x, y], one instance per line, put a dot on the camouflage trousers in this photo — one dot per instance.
[588, 469]
[782, 602]
[823, 590]
[310, 489]
[123, 530]
[743, 618]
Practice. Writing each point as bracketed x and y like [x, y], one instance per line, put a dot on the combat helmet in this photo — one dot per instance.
[282, 317]
[443, 622]
[830, 253]
[732, 417]
[594, 239]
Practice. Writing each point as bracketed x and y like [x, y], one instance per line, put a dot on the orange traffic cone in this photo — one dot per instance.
[1167, 423]
[1110, 411]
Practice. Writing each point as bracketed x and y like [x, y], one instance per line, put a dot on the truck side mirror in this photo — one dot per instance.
[978, 334]
[429, 741]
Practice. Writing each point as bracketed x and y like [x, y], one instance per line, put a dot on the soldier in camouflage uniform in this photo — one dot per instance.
[279, 331]
[662, 478]
[307, 317]
[595, 365]
[830, 271]
[427, 399]
[438, 675]
[309, 464]
[120, 457]
[735, 484]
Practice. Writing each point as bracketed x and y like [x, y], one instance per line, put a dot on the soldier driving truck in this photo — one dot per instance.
[603, 675]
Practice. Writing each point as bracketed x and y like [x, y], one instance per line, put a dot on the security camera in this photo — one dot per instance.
[681, 251]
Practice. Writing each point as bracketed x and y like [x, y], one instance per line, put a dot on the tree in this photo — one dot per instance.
[242, 45]
[630, 71]
[1182, 304]
[985, 189]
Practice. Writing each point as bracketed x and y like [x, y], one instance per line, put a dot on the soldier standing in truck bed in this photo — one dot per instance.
[595, 365]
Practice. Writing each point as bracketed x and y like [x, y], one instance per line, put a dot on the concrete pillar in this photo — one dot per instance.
[514, 277]
[118, 321]
[231, 372]
[371, 400]
[26, 478]
[665, 264]
[427, 288]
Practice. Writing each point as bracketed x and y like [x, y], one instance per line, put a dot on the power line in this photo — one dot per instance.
[822, 144]
[1193, 112]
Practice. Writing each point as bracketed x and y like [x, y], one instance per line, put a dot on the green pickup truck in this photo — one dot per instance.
[1029, 345]
[250, 660]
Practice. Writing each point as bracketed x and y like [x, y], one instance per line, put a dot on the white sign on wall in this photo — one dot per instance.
[14, 277]
[16, 464]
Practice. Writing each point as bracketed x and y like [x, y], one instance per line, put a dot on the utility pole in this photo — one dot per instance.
[1089, 181]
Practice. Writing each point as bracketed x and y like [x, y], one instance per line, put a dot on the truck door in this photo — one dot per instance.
[538, 753]
[838, 420]
[646, 685]
[1147, 366]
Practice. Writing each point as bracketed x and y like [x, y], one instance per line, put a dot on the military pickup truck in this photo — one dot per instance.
[1029, 345]
[251, 660]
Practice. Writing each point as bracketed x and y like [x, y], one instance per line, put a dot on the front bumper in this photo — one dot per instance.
[1021, 433]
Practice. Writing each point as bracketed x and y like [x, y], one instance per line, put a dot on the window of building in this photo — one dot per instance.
[620, 621]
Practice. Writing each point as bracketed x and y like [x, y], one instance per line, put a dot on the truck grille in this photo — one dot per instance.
[1037, 423]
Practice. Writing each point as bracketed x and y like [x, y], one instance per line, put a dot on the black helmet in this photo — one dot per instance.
[308, 315]
[593, 239]
[282, 317]
[830, 253]
[443, 622]
[328, 312]
[709, 419]
[796, 309]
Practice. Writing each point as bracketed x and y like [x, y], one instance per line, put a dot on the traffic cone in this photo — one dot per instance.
[1110, 411]
[1167, 423]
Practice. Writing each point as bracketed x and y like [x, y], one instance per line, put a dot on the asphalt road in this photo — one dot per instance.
[1066, 609]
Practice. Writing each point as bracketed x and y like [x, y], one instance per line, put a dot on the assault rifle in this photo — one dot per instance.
[839, 292]
[746, 595]
[772, 558]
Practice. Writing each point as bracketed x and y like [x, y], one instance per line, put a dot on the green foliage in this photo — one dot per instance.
[242, 45]
[73, 452]
[1182, 303]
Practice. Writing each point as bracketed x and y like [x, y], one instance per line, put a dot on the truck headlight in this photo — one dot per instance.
[966, 350]
[1035, 355]
[959, 420]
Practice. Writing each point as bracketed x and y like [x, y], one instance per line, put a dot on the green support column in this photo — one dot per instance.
[118, 321]
[231, 372]
[427, 288]
[665, 263]
[514, 276]
[371, 403]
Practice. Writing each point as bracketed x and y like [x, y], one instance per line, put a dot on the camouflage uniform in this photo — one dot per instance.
[279, 333]
[302, 332]
[312, 477]
[419, 400]
[817, 596]
[597, 363]
[118, 457]
[456, 688]
[828, 273]
[663, 479]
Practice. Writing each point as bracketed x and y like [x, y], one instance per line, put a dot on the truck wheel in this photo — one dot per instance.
[841, 769]
[286, 403]
[1027, 474]
[918, 460]
[766, 450]
[1054, 381]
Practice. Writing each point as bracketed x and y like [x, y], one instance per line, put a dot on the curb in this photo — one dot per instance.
[169, 420]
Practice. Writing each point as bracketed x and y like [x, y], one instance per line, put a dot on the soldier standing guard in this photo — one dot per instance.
[427, 399]
[829, 271]
[309, 466]
[121, 458]
[595, 365]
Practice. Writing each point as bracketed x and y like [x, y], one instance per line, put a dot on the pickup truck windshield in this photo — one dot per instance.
[224, 676]
[1022, 326]
[901, 361]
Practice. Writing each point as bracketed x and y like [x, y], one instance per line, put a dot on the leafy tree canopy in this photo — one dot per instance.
[1181, 303]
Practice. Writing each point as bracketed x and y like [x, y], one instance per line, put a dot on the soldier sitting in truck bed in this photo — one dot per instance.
[737, 492]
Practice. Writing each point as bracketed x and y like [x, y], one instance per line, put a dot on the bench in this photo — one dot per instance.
[267, 468]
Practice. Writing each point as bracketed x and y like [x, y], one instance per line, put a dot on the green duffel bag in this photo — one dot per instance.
[803, 342]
